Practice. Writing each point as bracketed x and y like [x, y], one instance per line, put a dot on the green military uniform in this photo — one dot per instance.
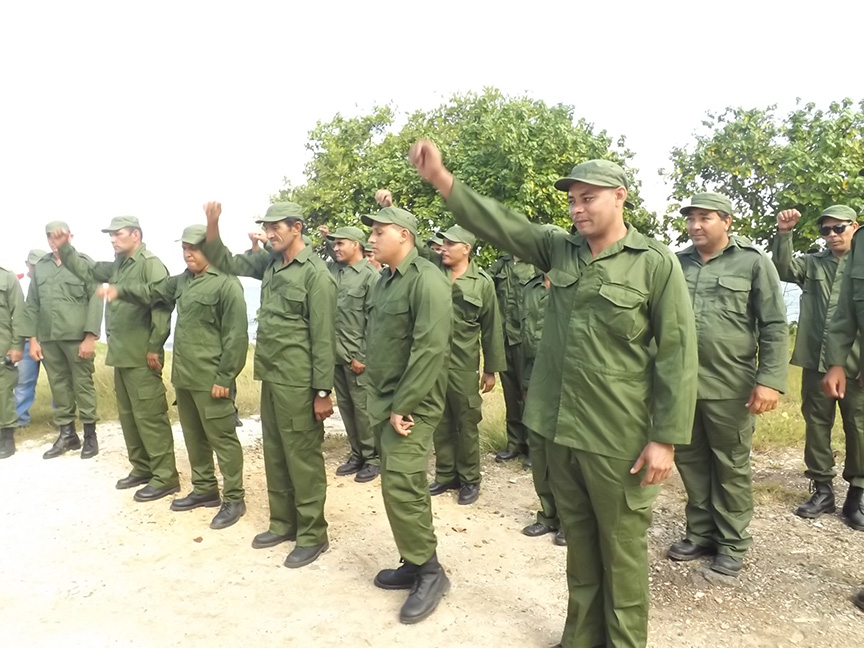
[11, 334]
[509, 275]
[210, 343]
[476, 324]
[134, 330]
[613, 372]
[533, 311]
[820, 275]
[354, 284]
[61, 310]
[743, 342]
[294, 358]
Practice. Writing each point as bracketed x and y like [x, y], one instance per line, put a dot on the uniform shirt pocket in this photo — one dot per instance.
[619, 311]
[733, 293]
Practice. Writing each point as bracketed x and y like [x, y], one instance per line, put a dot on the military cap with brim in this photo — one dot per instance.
[33, 256]
[367, 247]
[435, 239]
[349, 233]
[53, 226]
[119, 222]
[838, 212]
[600, 173]
[458, 234]
[281, 211]
[193, 235]
[710, 201]
[394, 215]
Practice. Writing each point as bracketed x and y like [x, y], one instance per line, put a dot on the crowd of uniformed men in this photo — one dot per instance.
[616, 358]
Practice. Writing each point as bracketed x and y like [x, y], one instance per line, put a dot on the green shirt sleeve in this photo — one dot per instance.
[250, 264]
[85, 269]
[30, 316]
[431, 303]
[16, 309]
[235, 336]
[790, 268]
[95, 310]
[843, 327]
[492, 332]
[772, 327]
[160, 315]
[162, 292]
[322, 330]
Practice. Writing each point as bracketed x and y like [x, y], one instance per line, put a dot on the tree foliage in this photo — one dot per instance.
[510, 148]
[765, 162]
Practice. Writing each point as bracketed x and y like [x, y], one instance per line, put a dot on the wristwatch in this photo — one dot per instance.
[322, 393]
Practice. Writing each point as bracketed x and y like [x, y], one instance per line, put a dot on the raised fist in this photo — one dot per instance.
[788, 219]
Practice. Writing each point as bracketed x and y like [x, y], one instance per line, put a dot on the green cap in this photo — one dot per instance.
[711, 202]
[33, 256]
[193, 235]
[435, 239]
[367, 247]
[280, 211]
[53, 226]
[839, 212]
[350, 233]
[119, 222]
[600, 173]
[458, 234]
[394, 215]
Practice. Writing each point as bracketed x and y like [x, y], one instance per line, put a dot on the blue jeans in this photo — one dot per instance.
[25, 392]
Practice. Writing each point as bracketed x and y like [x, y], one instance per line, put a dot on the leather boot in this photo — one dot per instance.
[403, 577]
[854, 508]
[68, 440]
[7, 442]
[91, 445]
[431, 585]
[821, 502]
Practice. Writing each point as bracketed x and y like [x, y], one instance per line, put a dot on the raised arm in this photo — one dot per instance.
[790, 268]
[251, 264]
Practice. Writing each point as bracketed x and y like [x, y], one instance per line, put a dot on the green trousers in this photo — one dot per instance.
[294, 463]
[143, 412]
[457, 439]
[819, 413]
[8, 381]
[208, 427]
[715, 468]
[351, 397]
[405, 488]
[71, 381]
[514, 402]
[605, 515]
[548, 513]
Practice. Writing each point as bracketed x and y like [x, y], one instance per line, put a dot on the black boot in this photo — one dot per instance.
[853, 509]
[91, 445]
[431, 585]
[7, 442]
[821, 502]
[68, 440]
[395, 579]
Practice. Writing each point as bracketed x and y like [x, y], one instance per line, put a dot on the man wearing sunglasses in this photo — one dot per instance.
[820, 275]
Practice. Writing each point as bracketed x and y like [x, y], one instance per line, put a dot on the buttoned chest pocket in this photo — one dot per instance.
[353, 299]
[292, 301]
[199, 308]
[72, 288]
[470, 305]
[813, 285]
[733, 293]
[397, 318]
[619, 310]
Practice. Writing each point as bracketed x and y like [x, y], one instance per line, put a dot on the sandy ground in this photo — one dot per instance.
[84, 565]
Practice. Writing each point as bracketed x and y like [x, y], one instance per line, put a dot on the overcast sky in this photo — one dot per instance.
[108, 109]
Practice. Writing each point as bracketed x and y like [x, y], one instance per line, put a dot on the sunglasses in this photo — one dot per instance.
[825, 230]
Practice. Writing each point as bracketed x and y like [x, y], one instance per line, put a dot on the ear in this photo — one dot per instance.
[620, 195]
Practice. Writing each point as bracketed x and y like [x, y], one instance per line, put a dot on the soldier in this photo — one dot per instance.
[820, 275]
[64, 320]
[510, 273]
[370, 257]
[476, 324]
[28, 368]
[355, 278]
[136, 337]
[294, 360]
[435, 243]
[613, 388]
[210, 343]
[408, 340]
[535, 294]
[739, 309]
[12, 343]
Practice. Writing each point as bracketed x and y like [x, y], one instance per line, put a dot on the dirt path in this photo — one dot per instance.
[83, 565]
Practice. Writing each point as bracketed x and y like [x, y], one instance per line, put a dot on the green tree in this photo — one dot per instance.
[765, 162]
[510, 148]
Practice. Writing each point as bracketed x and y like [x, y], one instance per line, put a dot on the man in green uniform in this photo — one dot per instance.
[12, 348]
[613, 387]
[435, 243]
[743, 358]
[476, 325]
[294, 360]
[355, 277]
[820, 275]
[510, 273]
[136, 336]
[210, 343]
[408, 338]
[64, 320]
[370, 257]
[28, 368]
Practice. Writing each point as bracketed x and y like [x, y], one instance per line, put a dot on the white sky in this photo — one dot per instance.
[108, 109]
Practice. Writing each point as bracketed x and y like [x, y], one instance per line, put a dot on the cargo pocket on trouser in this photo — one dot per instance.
[628, 577]
[405, 491]
[150, 400]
